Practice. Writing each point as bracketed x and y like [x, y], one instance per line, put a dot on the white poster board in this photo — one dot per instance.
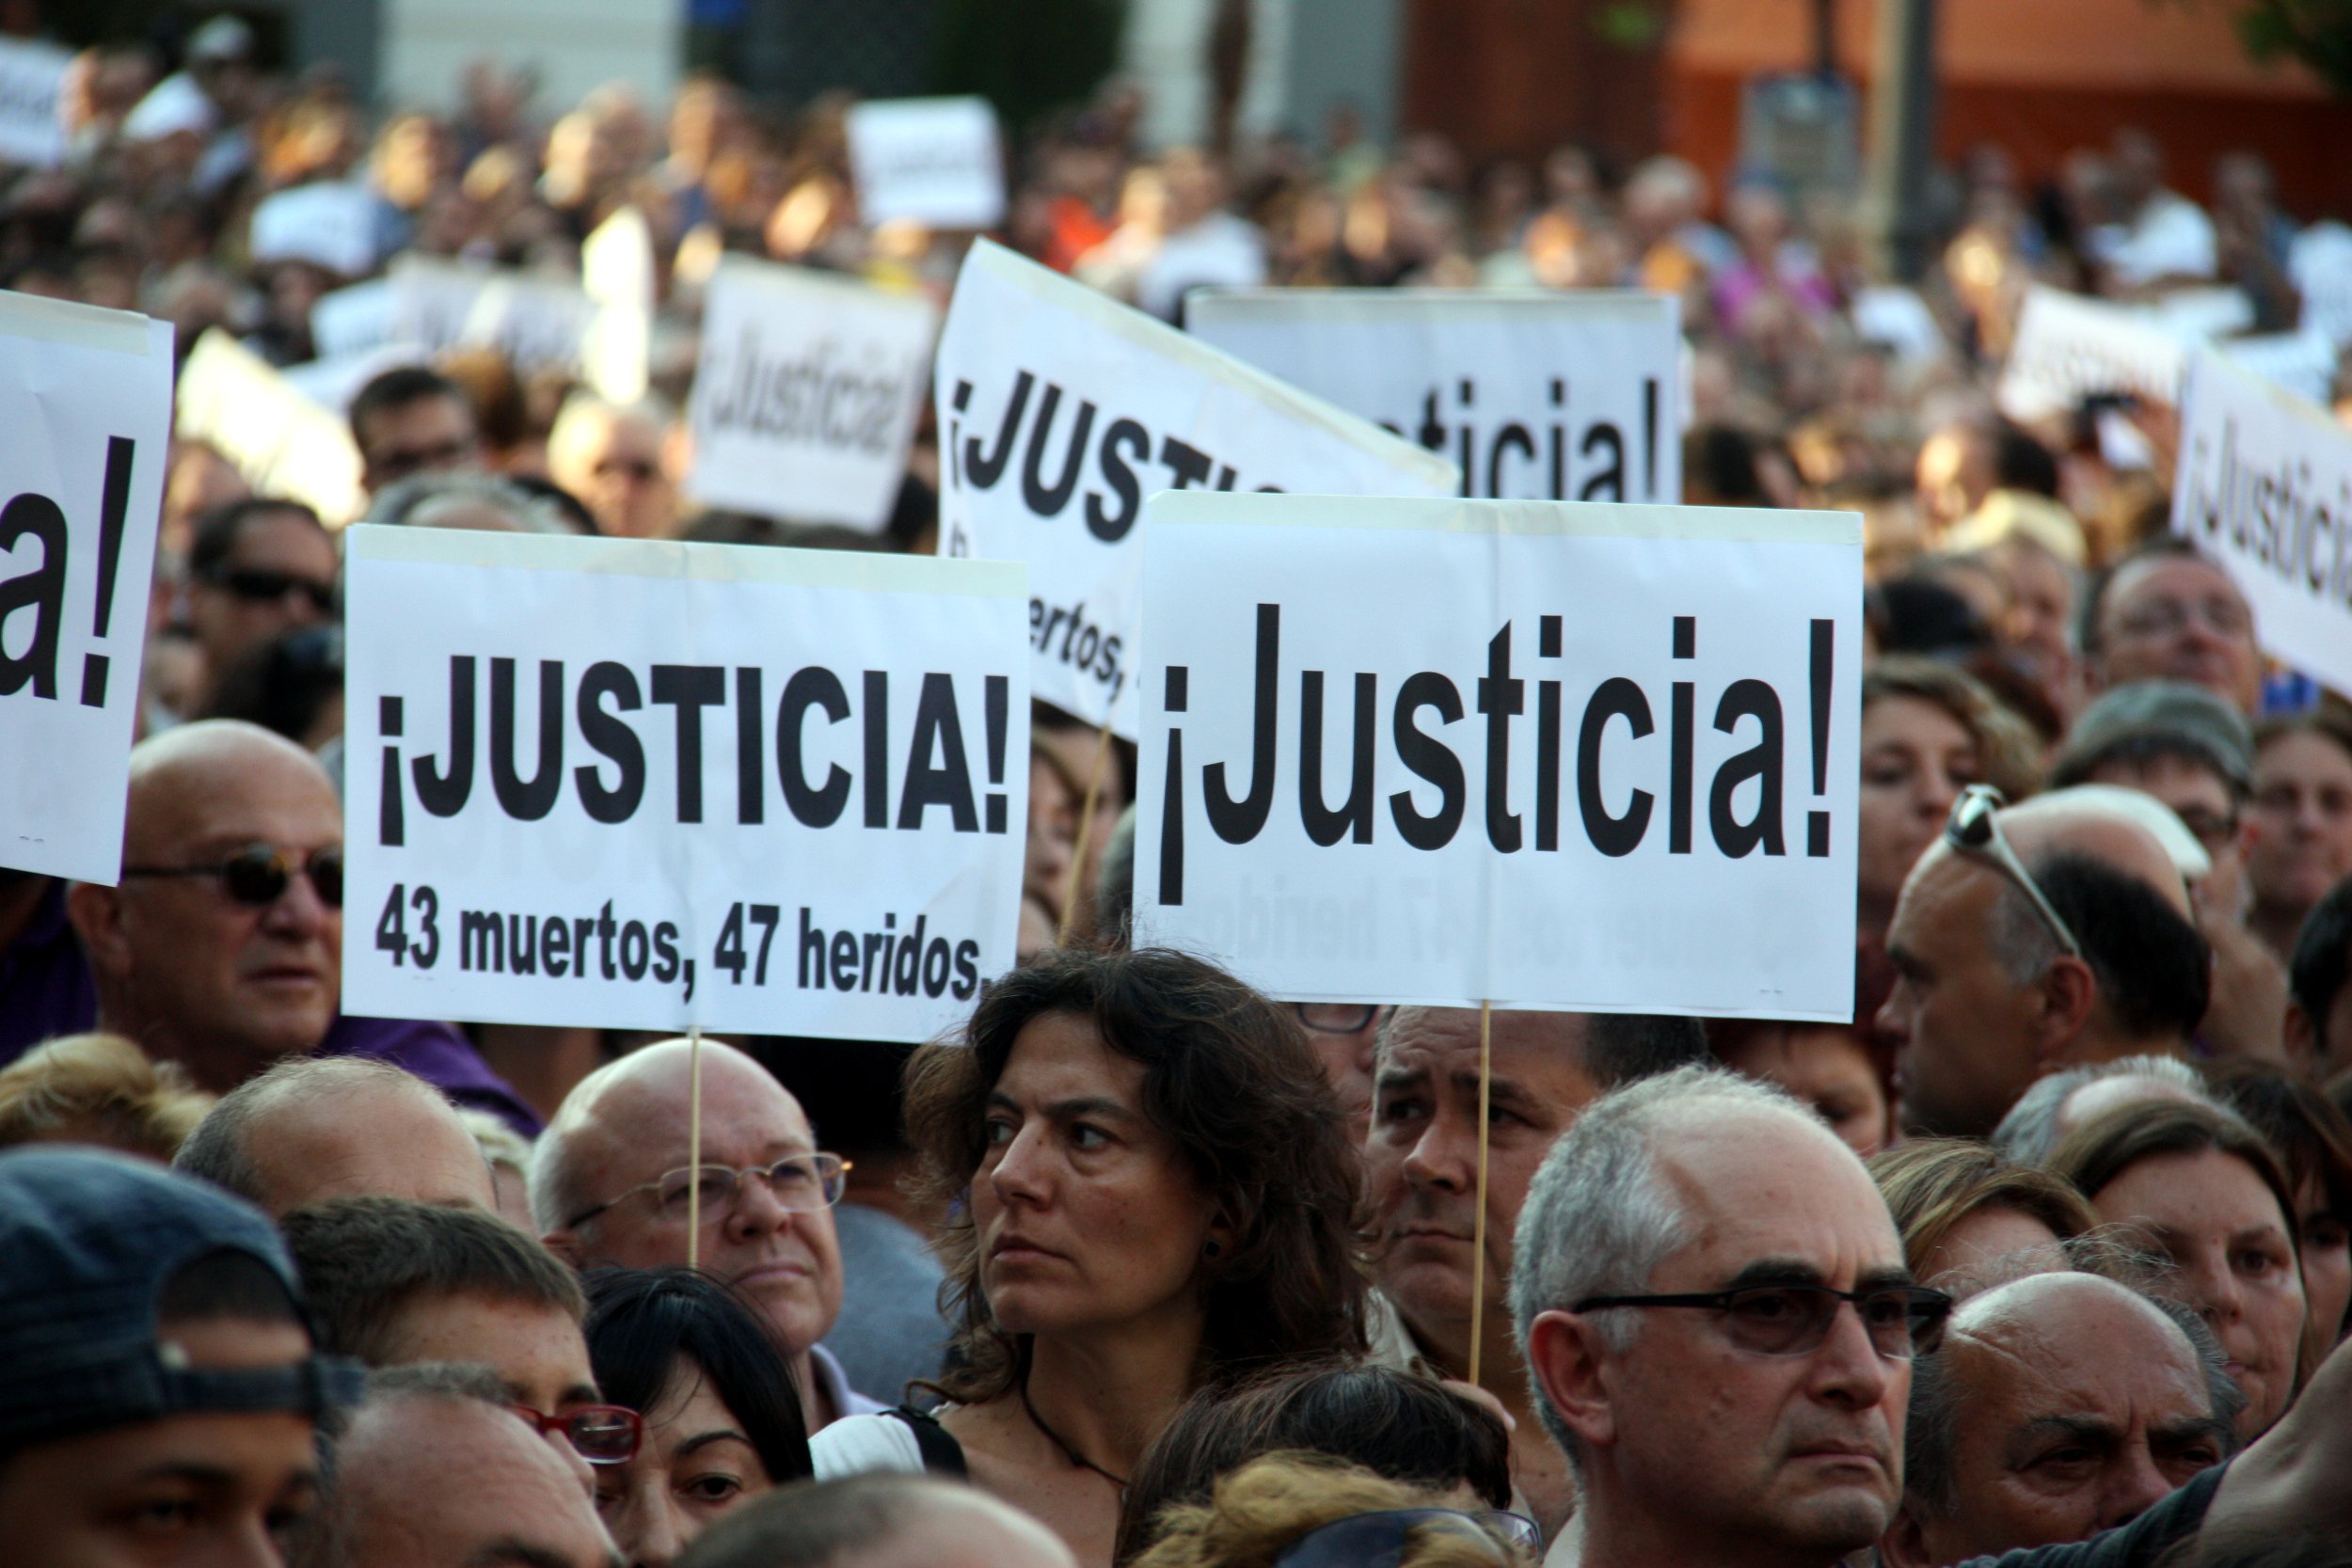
[1593, 757]
[1537, 396]
[537, 322]
[84, 436]
[807, 393]
[280, 440]
[32, 79]
[2069, 347]
[1059, 411]
[330, 224]
[934, 160]
[616, 270]
[2264, 487]
[644, 784]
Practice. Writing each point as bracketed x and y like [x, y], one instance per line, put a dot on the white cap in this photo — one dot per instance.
[2144, 810]
[175, 104]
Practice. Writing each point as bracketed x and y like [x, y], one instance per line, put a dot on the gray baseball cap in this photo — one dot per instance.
[2169, 714]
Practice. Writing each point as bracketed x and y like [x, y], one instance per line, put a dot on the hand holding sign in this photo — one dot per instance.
[85, 418]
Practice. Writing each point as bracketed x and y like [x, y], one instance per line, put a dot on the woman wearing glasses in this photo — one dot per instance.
[2206, 1193]
[1151, 1194]
[721, 1421]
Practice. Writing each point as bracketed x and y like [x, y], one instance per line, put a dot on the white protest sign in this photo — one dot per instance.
[1560, 396]
[2301, 363]
[935, 161]
[1059, 411]
[807, 393]
[616, 270]
[84, 435]
[646, 785]
[537, 322]
[330, 224]
[2068, 347]
[32, 78]
[1594, 757]
[2264, 487]
[352, 320]
[280, 440]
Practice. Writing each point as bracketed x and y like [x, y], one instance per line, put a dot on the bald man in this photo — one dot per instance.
[607, 1187]
[2055, 1407]
[878, 1521]
[222, 948]
[2075, 947]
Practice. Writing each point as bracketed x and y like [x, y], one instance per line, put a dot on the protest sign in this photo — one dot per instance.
[2069, 347]
[616, 270]
[1560, 396]
[84, 436]
[807, 393]
[329, 224]
[32, 77]
[1149, 409]
[537, 322]
[2264, 487]
[1542, 754]
[822, 834]
[280, 440]
[2303, 363]
[352, 320]
[934, 160]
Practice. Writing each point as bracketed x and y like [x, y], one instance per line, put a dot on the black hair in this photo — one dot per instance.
[284, 684]
[1624, 1048]
[642, 1321]
[2022, 463]
[1719, 464]
[2153, 969]
[217, 534]
[2322, 954]
[397, 389]
[1925, 617]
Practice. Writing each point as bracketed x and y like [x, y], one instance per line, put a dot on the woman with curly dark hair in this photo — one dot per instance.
[1150, 1192]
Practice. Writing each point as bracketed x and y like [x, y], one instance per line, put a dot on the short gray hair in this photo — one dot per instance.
[412, 500]
[220, 1151]
[2031, 1131]
[1600, 1217]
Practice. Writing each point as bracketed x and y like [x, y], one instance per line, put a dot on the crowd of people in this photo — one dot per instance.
[2048, 1252]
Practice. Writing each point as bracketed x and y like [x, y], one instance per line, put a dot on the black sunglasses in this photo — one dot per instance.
[256, 586]
[259, 874]
[1795, 1318]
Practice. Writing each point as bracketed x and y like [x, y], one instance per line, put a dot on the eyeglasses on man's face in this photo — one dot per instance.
[259, 875]
[802, 1183]
[599, 1434]
[1335, 1017]
[1974, 830]
[259, 585]
[1795, 1318]
[1385, 1535]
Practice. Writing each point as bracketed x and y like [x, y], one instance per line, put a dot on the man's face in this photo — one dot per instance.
[217, 1491]
[1784, 1455]
[223, 986]
[615, 468]
[430, 1483]
[2178, 618]
[379, 1143]
[1964, 1030]
[537, 1351]
[426, 435]
[280, 574]
[2201, 799]
[2077, 1406]
[787, 1261]
[1421, 1163]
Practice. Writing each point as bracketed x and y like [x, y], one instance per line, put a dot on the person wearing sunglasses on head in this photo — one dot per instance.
[395, 1284]
[222, 947]
[610, 1186]
[2029, 939]
[256, 568]
[1715, 1313]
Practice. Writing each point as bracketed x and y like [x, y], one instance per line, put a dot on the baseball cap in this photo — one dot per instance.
[2174, 712]
[89, 1241]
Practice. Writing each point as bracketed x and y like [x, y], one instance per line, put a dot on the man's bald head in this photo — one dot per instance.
[2056, 1407]
[2067, 823]
[311, 1129]
[192, 972]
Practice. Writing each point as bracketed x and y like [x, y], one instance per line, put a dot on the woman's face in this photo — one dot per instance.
[2302, 812]
[695, 1464]
[1088, 1215]
[2326, 1255]
[2219, 1223]
[1826, 1067]
[1915, 760]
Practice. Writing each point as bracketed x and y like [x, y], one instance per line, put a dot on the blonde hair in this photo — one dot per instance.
[99, 1090]
[1263, 1507]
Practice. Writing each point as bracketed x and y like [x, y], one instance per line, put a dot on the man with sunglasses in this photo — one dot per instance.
[256, 568]
[2032, 938]
[612, 457]
[1712, 1304]
[612, 1182]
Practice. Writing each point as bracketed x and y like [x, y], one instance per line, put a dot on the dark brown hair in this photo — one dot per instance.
[2306, 1129]
[2095, 1153]
[1230, 1079]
